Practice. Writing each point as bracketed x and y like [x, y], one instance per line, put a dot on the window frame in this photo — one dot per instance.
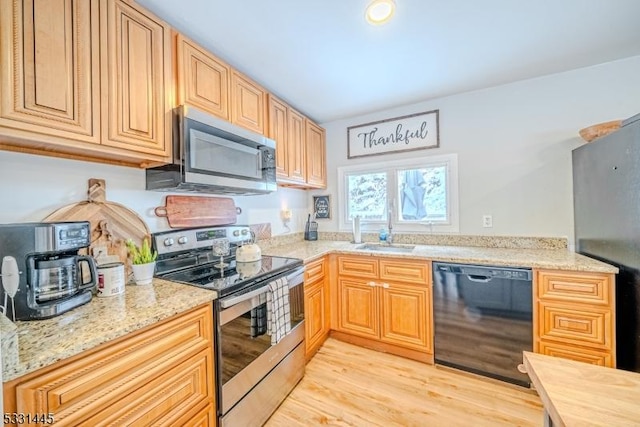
[391, 169]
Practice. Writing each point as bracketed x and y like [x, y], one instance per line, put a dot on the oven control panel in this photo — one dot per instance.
[169, 242]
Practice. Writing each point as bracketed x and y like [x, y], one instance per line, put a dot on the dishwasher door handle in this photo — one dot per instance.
[479, 279]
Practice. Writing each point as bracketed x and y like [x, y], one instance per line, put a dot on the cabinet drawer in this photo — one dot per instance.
[314, 271]
[362, 267]
[405, 271]
[575, 324]
[575, 287]
[580, 354]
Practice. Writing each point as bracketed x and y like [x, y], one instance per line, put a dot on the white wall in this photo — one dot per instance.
[32, 187]
[514, 145]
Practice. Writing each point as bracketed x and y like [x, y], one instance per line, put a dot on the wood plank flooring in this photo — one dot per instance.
[346, 385]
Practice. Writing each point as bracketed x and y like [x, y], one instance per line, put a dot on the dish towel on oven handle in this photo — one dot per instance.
[278, 312]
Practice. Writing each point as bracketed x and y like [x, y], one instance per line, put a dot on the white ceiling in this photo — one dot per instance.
[324, 59]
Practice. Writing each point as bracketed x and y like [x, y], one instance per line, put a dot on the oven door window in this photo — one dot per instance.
[244, 338]
[213, 153]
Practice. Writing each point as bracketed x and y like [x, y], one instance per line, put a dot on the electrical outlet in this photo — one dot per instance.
[487, 221]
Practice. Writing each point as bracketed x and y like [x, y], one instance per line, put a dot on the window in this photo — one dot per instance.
[420, 194]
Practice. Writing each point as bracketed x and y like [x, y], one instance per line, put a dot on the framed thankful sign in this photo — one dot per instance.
[407, 133]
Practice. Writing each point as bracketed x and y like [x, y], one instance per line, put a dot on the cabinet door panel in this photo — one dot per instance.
[248, 103]
[278, 132]
[137, 67]
[575, 324]
[297, 150]
[406, 314]
[316, 156]
[203, 79]
[358, 307]
[362, 267]
[316, 316]
[50, 68]
[575, 287]
[414, 272]
[130, 377]
[315, 270]
[580, 354]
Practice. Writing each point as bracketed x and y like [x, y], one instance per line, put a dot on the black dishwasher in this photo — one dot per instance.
[483, 319]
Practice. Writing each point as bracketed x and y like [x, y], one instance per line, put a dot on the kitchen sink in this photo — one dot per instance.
[386, 248]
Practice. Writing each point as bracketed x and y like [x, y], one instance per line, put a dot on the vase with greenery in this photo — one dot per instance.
[143, 261]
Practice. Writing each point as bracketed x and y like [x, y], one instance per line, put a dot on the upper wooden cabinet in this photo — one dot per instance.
[136, 64]
[287, 128]
[248, 103]
[50, 73]
[203, 79]
[85, 71]
[316, 156]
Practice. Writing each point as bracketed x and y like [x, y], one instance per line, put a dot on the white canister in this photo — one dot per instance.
[110, 279]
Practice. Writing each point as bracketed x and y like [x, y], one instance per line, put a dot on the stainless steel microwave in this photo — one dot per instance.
[214, 156]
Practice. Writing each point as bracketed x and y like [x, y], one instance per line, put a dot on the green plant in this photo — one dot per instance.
[141, 255]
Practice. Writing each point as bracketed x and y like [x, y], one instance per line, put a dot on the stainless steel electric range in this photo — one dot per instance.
[253, 375]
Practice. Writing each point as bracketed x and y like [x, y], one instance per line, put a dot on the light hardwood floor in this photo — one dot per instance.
[346, 385]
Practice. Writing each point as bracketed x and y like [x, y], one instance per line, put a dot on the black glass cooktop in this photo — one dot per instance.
[233, 277]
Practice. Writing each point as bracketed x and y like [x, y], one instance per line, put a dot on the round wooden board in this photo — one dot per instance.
[111, 223]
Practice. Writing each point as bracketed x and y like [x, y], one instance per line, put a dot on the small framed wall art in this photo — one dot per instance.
[407, 133]
[322, 207]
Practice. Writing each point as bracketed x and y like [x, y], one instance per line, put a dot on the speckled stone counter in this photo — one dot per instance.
[555, 259]
[40, 343]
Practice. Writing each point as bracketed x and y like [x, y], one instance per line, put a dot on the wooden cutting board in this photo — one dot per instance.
[111, 223]
[198, 211]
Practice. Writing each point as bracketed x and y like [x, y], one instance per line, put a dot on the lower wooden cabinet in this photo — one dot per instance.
[163, 375]
[574, 316]
[386, 304]
[316, 306]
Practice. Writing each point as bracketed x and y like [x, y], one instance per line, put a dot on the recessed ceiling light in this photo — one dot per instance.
[380, 11]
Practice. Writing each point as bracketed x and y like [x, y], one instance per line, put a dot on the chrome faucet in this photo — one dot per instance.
[390, 232]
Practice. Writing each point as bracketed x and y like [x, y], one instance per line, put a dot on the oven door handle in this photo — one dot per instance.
[234, 300]
[295, 278]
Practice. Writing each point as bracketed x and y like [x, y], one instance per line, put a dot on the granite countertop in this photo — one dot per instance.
[554, 259]
[31, 345]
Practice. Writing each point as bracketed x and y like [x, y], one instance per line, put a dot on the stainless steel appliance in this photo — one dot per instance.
[212, 155]
[606, 203]
[42, 273]
[254, 374]
[483, 319]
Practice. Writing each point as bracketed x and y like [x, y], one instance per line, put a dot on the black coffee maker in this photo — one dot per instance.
[42, 274]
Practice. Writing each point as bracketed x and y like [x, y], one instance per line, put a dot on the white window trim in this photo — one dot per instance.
[453, 225]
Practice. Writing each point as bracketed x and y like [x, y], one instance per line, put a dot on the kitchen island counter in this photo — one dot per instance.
[31, 345]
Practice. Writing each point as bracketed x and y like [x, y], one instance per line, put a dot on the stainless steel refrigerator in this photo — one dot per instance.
[606, 201]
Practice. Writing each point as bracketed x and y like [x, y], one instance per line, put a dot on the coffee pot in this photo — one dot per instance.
[42, 273]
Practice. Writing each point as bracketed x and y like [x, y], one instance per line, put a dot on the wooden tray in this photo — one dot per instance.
[198, 211]
[111, 223]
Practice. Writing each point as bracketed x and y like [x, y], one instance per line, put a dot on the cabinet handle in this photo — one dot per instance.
[372, 284]
[385, 285]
